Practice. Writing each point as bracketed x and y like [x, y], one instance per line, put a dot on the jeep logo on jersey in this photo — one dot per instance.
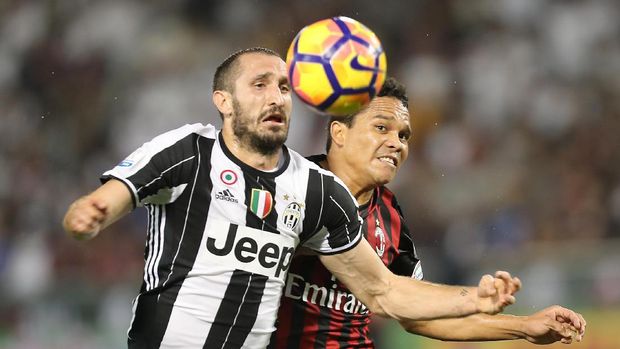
[250, 249]
[261, 202]
[291, 215]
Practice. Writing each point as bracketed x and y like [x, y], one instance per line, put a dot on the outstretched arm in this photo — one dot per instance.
[404, 298]
[547, 326]
[90, 214]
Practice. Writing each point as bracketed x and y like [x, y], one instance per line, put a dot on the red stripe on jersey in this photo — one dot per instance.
[394, 221]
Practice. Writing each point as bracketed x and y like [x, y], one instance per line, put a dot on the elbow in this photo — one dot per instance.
[381, 305]
[376, 308]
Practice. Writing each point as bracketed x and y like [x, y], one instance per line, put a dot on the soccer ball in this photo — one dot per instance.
[336, 65]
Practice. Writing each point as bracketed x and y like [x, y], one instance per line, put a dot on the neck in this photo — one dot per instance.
[361, 191]
[263, 162]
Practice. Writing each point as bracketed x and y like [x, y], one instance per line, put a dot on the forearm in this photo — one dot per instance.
[117, 198]
[420, 300]
[477, 327]
[397, 297]
[93, 212]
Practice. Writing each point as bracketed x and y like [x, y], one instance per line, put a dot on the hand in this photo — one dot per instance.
[85, 218]
[495, 293]
[554, 324]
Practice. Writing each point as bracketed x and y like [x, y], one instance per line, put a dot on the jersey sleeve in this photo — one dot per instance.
[159, 171]
[407, 262]
[341, 224]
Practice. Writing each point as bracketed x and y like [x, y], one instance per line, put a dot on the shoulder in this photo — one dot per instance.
[208, 131]
[300, 162]
[331, 183]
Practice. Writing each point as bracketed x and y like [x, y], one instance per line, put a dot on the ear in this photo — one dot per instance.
[223, 102]
[338, 131]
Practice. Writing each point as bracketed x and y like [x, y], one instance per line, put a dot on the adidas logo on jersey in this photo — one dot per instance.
[226, 195]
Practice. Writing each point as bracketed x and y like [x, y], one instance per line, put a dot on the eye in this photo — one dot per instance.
[381, 128]
[259, 85]
[285, 88]
[404, 136]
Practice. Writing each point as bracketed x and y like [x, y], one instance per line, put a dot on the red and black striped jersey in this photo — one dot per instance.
[318, 311]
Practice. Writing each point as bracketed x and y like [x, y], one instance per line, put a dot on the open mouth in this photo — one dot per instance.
[391, 160]
[274, 118]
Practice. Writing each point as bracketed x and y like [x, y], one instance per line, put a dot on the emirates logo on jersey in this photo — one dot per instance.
[261, 203]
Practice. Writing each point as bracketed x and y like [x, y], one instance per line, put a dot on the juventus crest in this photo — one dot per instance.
[291, 215]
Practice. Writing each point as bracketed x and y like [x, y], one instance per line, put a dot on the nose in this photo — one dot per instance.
[275, 96]
[393, 142]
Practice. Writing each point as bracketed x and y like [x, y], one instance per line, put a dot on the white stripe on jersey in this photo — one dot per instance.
[160, 245]
[155, 241]
[340, 207]
[164, 171]
[151, 236]
[189, 205]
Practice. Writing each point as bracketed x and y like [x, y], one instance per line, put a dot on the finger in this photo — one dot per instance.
[516, 283]
[500, 285]
[563, 314]
[512, 284]
[486, 287]
[583, 324]
[572, 332]
[100, 205]
[97, 215]
[504, 275]
[559, 331]
[509, 299]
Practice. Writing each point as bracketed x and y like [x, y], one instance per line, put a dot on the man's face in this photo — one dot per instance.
[261, 102]
[378, 141]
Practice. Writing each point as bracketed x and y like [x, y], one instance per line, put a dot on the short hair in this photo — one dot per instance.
[227, 70]
[391, 88]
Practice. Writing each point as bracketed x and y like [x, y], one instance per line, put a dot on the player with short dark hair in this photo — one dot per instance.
[228, 208]
[318, 311]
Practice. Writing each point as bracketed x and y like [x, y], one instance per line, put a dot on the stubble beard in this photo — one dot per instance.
[268, 143]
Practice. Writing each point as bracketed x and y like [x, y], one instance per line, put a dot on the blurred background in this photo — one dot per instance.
[514, 164]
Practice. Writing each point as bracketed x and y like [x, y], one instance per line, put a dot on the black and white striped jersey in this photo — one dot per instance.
[221, 235]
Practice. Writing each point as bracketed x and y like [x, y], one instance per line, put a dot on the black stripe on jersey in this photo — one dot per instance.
[240, 308]
[180, 251]
[405, 261]
[340, 204]
[315, 199]
[268, 183]
[385, 212]
[141, 327]
[160, 169]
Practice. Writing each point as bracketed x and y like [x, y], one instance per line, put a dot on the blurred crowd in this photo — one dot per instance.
[515, 155]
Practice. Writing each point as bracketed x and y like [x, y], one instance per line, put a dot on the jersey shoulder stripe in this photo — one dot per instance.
[150, 167]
